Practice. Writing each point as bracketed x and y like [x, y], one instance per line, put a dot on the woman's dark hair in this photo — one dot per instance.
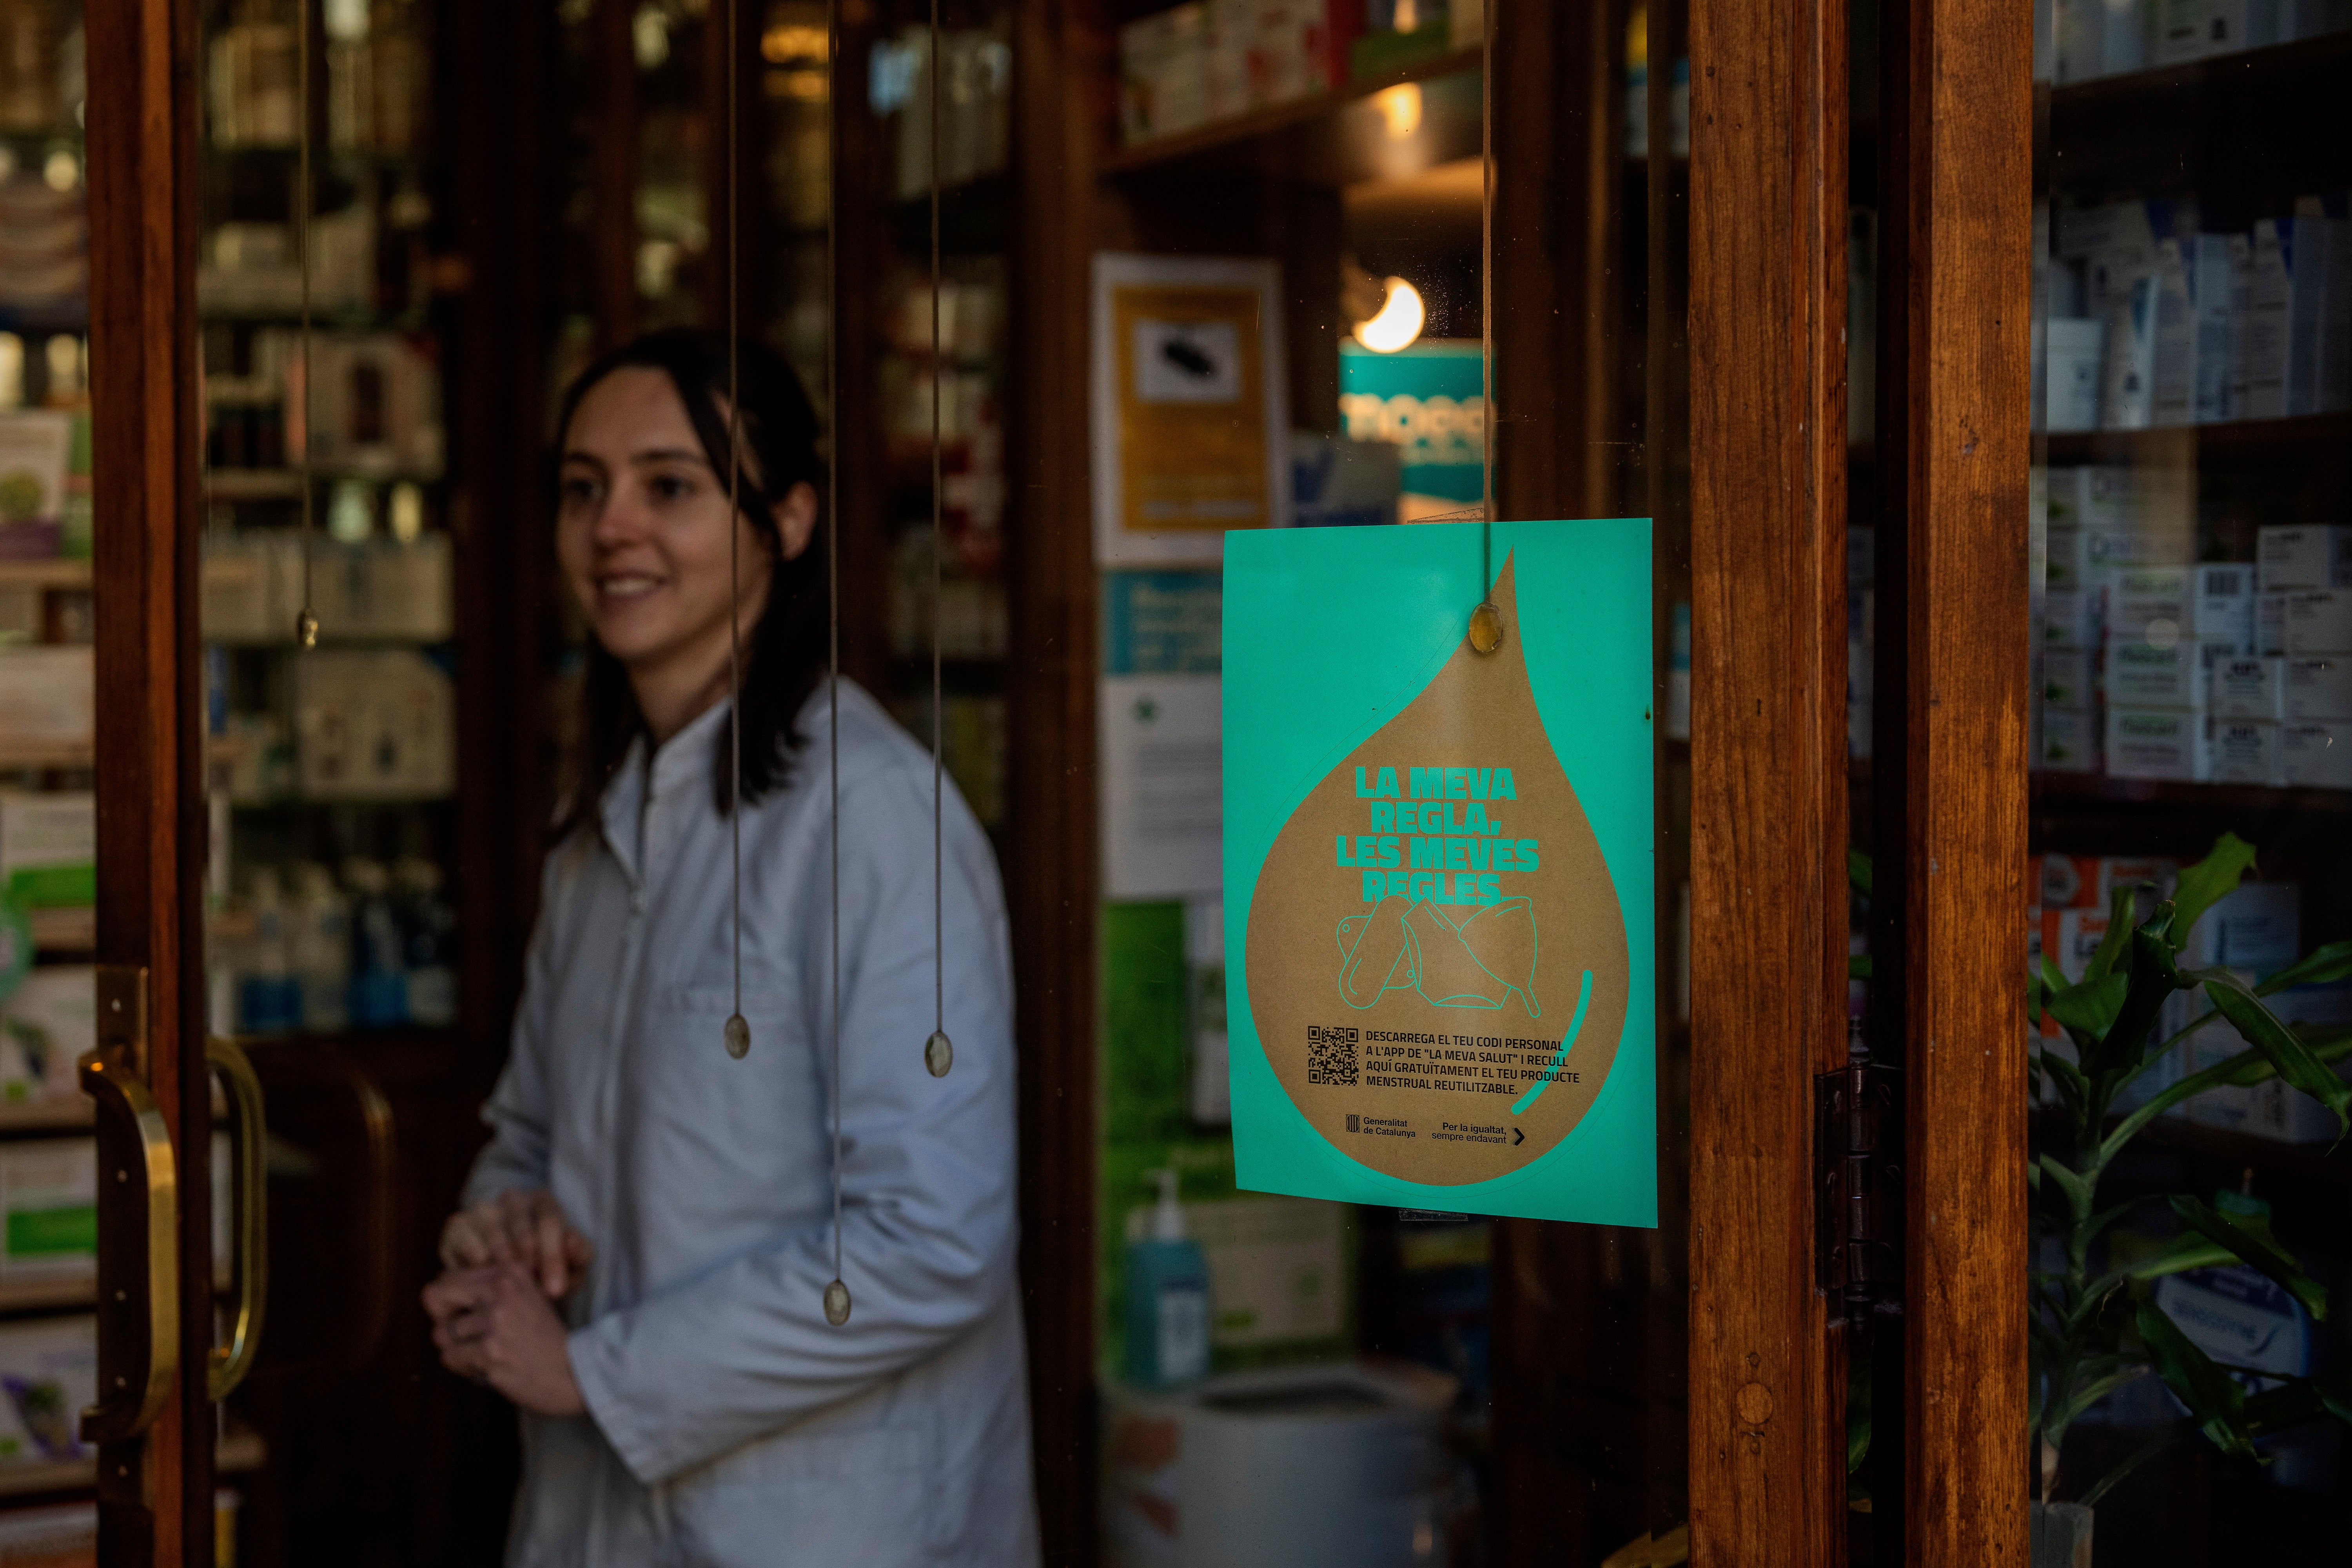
[785, 654]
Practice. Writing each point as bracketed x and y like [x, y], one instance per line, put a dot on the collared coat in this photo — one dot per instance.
[727, 1423]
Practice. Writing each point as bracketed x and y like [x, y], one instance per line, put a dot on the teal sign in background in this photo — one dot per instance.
[1430, 400]
[1331, 632]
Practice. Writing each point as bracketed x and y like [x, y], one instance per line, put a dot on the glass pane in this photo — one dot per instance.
[2193, 621]
[1531, 1372]
[47, 821]
[332, 881]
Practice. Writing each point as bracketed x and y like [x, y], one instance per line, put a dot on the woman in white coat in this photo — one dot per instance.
[642, 1258]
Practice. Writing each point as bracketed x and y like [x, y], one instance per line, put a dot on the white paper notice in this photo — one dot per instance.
[1162, 809]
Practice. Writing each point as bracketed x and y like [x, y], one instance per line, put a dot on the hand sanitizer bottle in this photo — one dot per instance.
[1167, 1300]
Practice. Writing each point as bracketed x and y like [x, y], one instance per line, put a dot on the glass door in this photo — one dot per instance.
[2192, 328]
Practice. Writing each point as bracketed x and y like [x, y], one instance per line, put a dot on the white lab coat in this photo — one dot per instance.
[728, 1424]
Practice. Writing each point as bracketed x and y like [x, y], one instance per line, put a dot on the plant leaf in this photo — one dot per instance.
[2207, 883]
[2089, 1009]
[1858, 870]
[2335, 1391]
[2152, 981]
[1857, 966]
[2295, 1064]
[2331, 962]
[2073, 1184]
[2212, 1396]
[2253, 1249]
[2114, 948]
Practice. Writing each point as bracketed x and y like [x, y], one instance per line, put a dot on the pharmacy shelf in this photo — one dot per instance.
[239, 1452]
[2305, 1164]
[49, 1295]
[2241, 442]
[58, 1114]
[2098, 790]
[2289, 74]
[2265, 125]
[64, 931]
[1267, 121]
[51, 575]
[286, 484]
[21, 754]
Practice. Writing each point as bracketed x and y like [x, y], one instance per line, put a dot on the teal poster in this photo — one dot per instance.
[1438, 867]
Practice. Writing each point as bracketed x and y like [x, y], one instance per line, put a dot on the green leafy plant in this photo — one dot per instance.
[2093, 1332]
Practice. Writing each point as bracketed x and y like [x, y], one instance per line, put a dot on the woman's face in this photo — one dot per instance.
[643, 528]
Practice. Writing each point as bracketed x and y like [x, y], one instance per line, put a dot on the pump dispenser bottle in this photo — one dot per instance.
[1167, 1300]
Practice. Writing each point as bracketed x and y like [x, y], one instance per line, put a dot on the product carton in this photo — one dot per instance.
[2176, 676]
[2250, 686]
[49, 1210]
[46, 697]
[2294, 265]
[2089, 881]
[2318, 689]
[2157, 743]
[2316, 756]
[2066, 559]
[48, 1022]
[2247, 751]
[2069, 680]
[2071, 619]
[2194, 322]
[374, 724]
[48, 848]
[49, 1368]
[2319, 622]
[2070, 741]
[2304, 556]
[2255, 926]
[2212, 604]
[2074, 350]
[35, 449]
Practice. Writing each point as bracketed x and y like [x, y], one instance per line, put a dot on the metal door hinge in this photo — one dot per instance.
[1858, 1188]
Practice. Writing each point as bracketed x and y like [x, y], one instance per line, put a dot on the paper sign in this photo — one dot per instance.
[1438, 869]
[1191, 422]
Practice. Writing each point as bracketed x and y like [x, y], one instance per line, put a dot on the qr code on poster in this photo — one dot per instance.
[1331, 1056]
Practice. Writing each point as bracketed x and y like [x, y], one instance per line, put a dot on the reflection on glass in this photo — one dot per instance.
[2193, 339]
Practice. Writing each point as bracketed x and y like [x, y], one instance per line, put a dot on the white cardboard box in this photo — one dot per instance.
[2250, 686]
[46, 696]
[2155, 744]
[49, 1210]
[2319, 622]
[2316, 757]
[2304, 556]
[2069, 680]
[2247, 751]
[2317, 689]
[2070, 619]
[48, 1367]
[2139, 675]
[2070, 741]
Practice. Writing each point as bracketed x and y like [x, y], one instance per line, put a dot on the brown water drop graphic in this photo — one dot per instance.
[1461, 1006]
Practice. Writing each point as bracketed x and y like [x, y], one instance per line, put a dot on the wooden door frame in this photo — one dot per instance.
[1768, 809]
[1954, 277]
[155, 1493]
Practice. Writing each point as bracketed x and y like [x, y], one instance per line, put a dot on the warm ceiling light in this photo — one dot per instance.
[787, 41]
[1401, 107]
[1399, 323]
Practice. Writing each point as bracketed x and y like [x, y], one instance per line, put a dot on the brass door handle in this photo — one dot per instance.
[131, 1401]
[248, 1136]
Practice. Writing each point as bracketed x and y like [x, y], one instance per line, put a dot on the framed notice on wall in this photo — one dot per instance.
[1439, 932]
[1190, 413]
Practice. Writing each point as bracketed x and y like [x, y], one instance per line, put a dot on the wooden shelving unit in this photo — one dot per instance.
[1244, 128]
[240, 1452]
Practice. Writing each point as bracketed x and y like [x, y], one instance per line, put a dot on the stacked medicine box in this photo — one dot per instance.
[2103, 522]
[2306, 620]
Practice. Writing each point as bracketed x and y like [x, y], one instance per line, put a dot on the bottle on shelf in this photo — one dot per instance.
[269, 998]
[379, 957]
[321, 943]
[428, 926]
